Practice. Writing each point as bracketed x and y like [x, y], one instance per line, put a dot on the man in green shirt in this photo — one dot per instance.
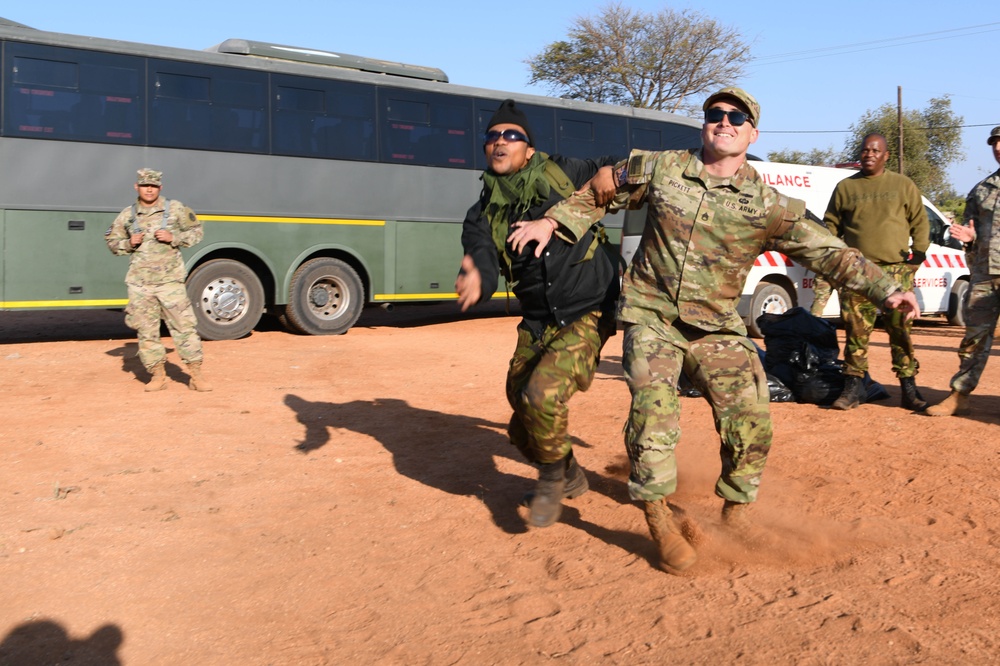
[879, 212]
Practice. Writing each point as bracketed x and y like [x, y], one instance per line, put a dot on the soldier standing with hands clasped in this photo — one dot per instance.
[151, 231]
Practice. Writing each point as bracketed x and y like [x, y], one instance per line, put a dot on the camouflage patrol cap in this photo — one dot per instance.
[741, 96]
[149, 177]
[994, 135]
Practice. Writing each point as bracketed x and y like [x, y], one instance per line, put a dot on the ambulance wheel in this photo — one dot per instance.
[957, 300]
[768, 299]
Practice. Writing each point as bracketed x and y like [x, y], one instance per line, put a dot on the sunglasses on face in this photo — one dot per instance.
[736, 118]
[508, 135]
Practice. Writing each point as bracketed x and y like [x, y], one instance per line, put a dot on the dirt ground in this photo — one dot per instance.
[353, 500]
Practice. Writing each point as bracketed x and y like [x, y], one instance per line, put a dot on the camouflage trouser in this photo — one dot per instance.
[146, 305]
[981, 314]
[544, 373]
[859, 321]
[727, 370]
[822, 290]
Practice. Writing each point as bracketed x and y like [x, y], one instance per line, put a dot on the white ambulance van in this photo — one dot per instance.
[776, 283]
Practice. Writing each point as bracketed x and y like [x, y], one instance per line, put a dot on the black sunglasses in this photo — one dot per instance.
[736, 118]
[507, 134]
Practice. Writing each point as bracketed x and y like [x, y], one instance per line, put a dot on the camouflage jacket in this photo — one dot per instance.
[154, 262]
[702, 236]
[983, 208]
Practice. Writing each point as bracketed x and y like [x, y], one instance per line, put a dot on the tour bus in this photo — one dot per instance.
[776, 283]
[325, 182]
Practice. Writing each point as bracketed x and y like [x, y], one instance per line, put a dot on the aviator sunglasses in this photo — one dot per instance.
[736, 118]
[507, 134]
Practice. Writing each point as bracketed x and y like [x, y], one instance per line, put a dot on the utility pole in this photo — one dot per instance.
[899, 123]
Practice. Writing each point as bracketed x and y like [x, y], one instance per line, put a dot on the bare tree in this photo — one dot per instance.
[655, 61]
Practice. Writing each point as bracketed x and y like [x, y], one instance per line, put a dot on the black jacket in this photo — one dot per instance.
[558, 287]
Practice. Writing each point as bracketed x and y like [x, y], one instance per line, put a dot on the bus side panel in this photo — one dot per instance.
[60, 259]
[428, 256]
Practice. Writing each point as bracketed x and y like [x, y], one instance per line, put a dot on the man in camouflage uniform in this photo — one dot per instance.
[567, 294]
[982, 250]
[709, 216]
[879, 212]
[152, 230]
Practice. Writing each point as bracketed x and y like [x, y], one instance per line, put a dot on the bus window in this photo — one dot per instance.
[211, 108]
[426, 128]
[589, 135]
[315, 118]
[71, 94]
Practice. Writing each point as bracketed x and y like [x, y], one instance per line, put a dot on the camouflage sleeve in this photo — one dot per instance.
[579, 212]
[189, 230]
[817, 249]
[117, 236]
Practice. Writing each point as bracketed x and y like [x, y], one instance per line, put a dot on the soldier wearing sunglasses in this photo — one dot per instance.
[566, 285]
[709, 216]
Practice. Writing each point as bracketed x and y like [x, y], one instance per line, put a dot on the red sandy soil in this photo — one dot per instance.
[353, 500]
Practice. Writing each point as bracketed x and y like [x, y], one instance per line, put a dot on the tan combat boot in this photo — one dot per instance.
[158, 382]
[955, 404]
[198, 381]
[676, 554]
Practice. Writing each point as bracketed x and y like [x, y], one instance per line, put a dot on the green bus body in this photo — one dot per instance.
[321, 189]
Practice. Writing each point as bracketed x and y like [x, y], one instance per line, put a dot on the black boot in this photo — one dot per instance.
[852, 395]
[546, 504]
[911, 396]
[576, 480]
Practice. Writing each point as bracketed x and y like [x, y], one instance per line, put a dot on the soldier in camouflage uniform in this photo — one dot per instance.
[879, 212]
[151, 231]
[982, 250]
[565, 282]
[709, 216]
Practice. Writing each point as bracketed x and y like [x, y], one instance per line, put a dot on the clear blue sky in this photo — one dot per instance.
[808, 99]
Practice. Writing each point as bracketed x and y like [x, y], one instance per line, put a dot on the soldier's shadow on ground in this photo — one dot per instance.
[131, 365]
[46, 642]
[453, 453]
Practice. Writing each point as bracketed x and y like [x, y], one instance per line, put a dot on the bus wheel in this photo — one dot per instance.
[767, 299]
[228, 299]
[325, 297]
[957, 299]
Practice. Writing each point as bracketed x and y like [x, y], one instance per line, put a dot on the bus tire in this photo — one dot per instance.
[227, 297]
[325, 297]
[767, 298]
[957, 299]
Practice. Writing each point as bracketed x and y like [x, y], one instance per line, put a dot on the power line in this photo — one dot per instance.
[908, 129]
[888, 42]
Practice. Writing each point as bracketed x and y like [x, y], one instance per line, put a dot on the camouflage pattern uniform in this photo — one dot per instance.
[859, 316]
[679, 299]
[983, 309]
[879, 215]
[822, 290]
[567, 301]
[155, 278]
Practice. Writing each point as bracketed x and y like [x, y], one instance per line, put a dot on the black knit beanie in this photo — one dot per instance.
[510, 114]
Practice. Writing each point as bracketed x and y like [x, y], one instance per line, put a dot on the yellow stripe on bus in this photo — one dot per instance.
[290, 220]
[110, 303]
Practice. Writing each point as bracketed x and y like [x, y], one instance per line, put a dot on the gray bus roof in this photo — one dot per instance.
[328, 58]
[17, 32]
